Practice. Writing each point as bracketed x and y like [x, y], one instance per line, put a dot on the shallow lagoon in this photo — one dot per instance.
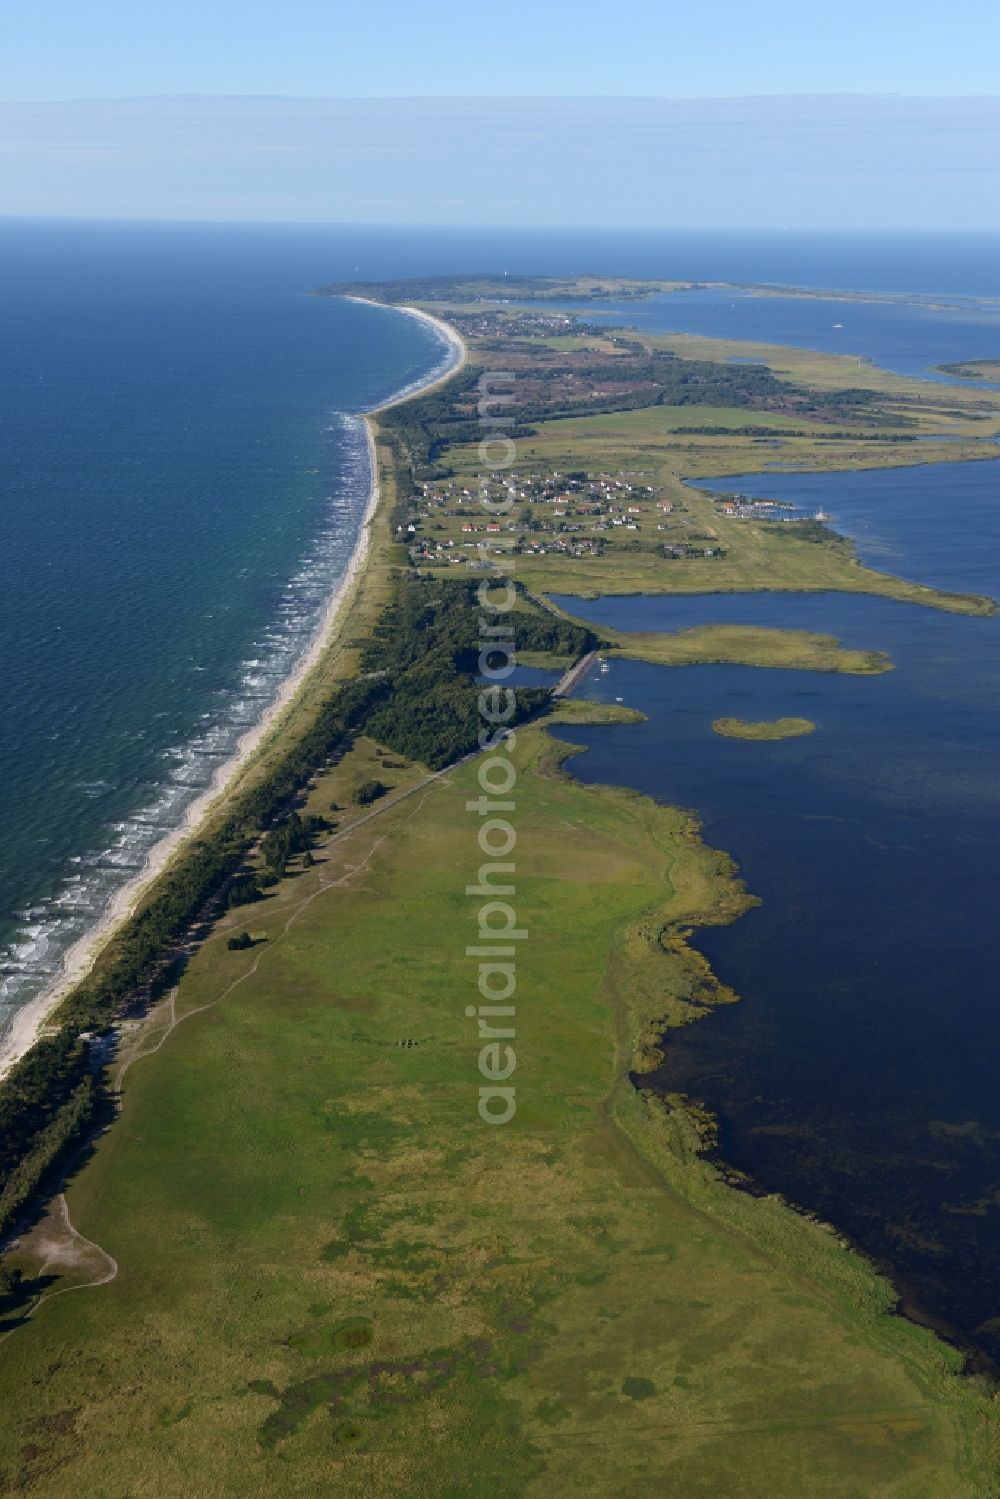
[858, 1075]
[910, 337]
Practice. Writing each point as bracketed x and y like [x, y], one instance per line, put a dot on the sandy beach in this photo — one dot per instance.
[29, 1020]
[446, 331]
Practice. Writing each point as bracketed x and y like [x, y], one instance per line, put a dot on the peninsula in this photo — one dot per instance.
[270, 1238]
[972, 369]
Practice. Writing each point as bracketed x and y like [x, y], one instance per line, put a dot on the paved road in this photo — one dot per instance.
[569, 679]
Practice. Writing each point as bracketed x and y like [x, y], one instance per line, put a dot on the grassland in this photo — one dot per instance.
[298, 1263]
[910, 424]
[333, 1277]
[577, 710]
[745, 645]
[778, 728]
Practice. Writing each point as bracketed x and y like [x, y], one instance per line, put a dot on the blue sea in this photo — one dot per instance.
[182, 475]
[183, 470]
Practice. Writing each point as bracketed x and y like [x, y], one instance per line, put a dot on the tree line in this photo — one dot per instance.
[423, 703]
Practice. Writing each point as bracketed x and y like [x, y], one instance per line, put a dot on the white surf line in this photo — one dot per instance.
[450, 335]
[427, 785]
[27, 1022]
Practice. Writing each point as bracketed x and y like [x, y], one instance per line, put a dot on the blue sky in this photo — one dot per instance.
[775, 114]
[65, 49]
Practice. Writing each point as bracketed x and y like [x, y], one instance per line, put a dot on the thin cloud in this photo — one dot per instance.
[839, 161]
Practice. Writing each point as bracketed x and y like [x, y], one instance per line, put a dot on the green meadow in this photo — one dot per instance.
[299, 1263]
[745, 645]
[913, 424]
[333, 1277]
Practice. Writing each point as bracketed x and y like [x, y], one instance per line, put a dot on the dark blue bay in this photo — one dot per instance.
[859, 1072]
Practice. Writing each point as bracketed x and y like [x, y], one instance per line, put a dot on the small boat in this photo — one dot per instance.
[838, 325]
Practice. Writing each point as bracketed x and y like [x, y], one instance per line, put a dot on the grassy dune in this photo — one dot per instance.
[334, 1278]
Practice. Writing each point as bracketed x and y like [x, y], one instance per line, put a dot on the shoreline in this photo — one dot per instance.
[450, 335]
[659, 1174]
[28, 1022]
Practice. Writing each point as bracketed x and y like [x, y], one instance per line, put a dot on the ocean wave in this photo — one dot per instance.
[92, 880]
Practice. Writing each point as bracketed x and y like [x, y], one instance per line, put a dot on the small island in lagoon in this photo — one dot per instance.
[778, 728]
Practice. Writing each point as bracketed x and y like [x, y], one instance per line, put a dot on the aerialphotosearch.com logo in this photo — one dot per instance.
[498, 932]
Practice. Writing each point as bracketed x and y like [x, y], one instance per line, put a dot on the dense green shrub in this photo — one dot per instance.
[368, 792]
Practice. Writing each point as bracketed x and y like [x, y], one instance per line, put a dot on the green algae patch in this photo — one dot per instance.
[778, 728]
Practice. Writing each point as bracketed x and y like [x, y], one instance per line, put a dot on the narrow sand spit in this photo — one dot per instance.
[28, 1021]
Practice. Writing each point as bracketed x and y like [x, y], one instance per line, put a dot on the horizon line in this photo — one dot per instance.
[491, 228]
[666, 98]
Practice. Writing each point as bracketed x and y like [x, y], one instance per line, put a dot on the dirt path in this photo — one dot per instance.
[168, 1009]
[54, 1242]
[62, 1250]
